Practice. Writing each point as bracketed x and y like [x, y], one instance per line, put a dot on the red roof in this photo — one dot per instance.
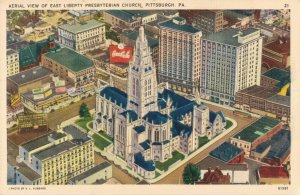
[215, 177]
[282, 46]
[273, 172]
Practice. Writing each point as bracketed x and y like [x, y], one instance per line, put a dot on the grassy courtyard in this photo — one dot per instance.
[106, 136]
[202, 141]
[100, 142]
[228, 124]
[164, 166]
[82, 122]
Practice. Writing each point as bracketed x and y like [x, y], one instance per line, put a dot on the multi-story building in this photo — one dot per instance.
[76, 69]
[129, 19]
[149, 124]
[82, 36]
[12, 62]
[209, 21]
[264, 101]
[180, 55]
[56, 157]
[231, 61]
[277, 79]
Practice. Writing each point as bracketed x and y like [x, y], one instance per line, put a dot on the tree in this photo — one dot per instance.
[84, 111]
[191, 174]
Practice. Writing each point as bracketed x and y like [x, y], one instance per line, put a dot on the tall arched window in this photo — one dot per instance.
[156, 136]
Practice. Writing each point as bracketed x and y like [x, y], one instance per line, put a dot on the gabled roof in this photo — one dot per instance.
[179, 128]
[213, 115]
[139, 129]
[131, 114]
[115, 95]
[177, 100]
[155, 117]
[226, 152]
[145, 145]
[140, 161]
[178, 113]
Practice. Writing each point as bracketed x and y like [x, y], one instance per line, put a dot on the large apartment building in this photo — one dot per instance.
[209, 21]
[82, 36]
[231, 61]
[12, 62]
[180, 55]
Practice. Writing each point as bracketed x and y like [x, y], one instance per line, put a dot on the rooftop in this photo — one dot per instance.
[77, 27]
[91, 171]
[230, 36]
[156, 118]
[213, 115]
[115, 95]
[140, 161]
[179, 27]
[131, 114]
[129, 15]
[42, 141]
[145, 145]
[177, 100]
[180, 112]
[30, 75]
[139, 129]
[272, 172]
[133, 35]
[75, 133]
[257, 129]
[70, 59]
[54, 150]
[10, 51]
[179, 128]
[28, 172]
[236, 14]
[226, 152]
[258, 91]
[277, 74]
[282, 100]
[280, 145]
[282, 46]
[210, 162]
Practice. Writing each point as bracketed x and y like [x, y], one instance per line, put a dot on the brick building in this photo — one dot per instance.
[273, 175]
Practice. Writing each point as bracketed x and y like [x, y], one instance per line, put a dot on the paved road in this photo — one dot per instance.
[176, 176]
[117, 172]
[253, 167]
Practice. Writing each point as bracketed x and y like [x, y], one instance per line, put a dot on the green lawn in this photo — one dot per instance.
[90, 125]
[157, 174]
[100, 142]
[82, 122]
[165, 165]
[106, 136]
[228, 124]
[202, 141]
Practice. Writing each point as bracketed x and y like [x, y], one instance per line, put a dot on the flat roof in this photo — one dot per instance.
[277, 74]
[91, 171]
[211, 162]
[179, 27]
[272, 172]
[133, 35]
[28, 172]
[11, 51]
[229, 36]
[258, 91]
[70, 59]
[226, 152]
[257, 129]
[76, 133]
[54, 150]
[41, 141]
[77, 27]
[30, 75]
[282, 100]
[129, 15]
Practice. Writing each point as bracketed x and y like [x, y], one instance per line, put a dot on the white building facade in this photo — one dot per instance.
[12, 62]
[82, 36]
[179, 55]
[231, 61]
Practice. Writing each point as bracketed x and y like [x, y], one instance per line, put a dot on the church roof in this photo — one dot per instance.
[155, 117]
[177, 114]
[177, 100]
[162, 104]
[145, 144]
[131, 114]
[178, 127]
[115, 95]
[139, 129]
[213, 115]
[140, 161]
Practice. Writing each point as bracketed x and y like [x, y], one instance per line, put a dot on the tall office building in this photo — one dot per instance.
[209, 21]
[179, 55]
[12, 62]
[231, 61]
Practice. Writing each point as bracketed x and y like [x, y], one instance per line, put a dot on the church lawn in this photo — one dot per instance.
[100, 142]
[82, 122]
[106, 136]
[202, 141]
[165, 165]
[228, 124]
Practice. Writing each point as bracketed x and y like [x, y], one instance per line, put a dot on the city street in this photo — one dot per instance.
[253, 166]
